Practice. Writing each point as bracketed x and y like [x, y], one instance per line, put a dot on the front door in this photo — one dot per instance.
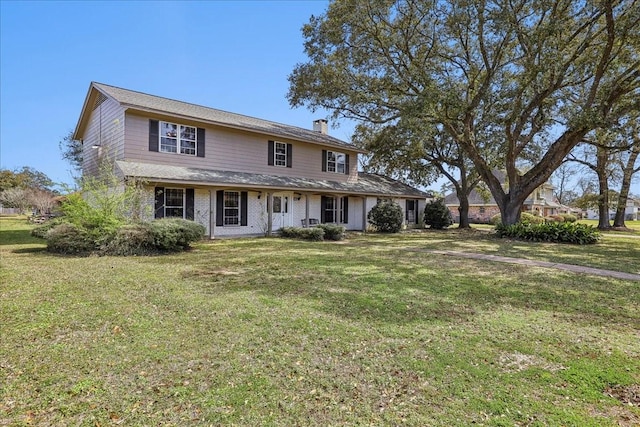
[281, 210]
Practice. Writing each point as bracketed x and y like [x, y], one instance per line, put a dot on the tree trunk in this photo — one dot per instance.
[603, 184]
[463, 211]
[511, 212]
[627, 174]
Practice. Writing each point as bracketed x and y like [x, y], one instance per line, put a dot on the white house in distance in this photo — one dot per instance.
[631, 211]
[234, 174]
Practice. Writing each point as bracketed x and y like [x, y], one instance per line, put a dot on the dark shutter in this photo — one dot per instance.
[406, 209]
[345, 210]
[153, 135]
[220, 208]
[270, 153]
[190, 203]
[243, 207]
[323, 209]
[159, 206]
[200, 142]
[346, 164]
[289, 155]
[324, 160]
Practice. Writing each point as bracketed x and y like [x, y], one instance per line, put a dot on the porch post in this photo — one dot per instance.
[364, 213]
[306, 209]
[212, 213]
[269, 213]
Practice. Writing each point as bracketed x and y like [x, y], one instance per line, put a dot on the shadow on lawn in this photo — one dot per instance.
[17, 237]
[424, 289]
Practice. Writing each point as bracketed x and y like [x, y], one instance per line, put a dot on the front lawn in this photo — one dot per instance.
[279, 332]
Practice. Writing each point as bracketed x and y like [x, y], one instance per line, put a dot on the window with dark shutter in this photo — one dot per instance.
[159, 202]
[345, 210]
[243, 207]
[189, 204]
[324, 160]
[270, 153]
[346, 164]
[201, 134]
[289, 155]
[153, 135]
[220, 208]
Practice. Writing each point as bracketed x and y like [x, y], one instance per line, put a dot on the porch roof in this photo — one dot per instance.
[367, 184]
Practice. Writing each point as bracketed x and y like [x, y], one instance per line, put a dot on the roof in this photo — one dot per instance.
[140, 101]
[475, 198]
[367, 184]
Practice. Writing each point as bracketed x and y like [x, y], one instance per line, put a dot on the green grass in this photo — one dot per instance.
[282, 332]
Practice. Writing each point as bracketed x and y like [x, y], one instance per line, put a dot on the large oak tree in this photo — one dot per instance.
[541, 74]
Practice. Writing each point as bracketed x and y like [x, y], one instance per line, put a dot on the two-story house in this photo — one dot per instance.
[234, 174]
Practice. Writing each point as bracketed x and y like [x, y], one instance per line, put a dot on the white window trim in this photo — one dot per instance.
[184, 203]
[179, 139]
[224, 210]
[336, 164]
[282, 161]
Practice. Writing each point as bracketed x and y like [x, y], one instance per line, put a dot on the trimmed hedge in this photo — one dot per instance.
[386, 216]
[315, 234]
[70, 239]
[333, 231]
[162, 235]
[556, 232]
[437, 215]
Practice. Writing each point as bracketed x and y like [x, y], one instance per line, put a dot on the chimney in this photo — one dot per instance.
[321, 126]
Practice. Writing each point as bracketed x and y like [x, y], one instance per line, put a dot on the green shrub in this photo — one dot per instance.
[557, 232]
[525, 217]
[315, 234]
[386, 216]
[68, 238]
[568, 217]
[553, 218]
[175, 234]
[332, 231]
[40, 231]
[437, 215]
[131, 239]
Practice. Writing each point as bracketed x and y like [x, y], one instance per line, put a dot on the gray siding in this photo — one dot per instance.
[227, 149]
[106, 129]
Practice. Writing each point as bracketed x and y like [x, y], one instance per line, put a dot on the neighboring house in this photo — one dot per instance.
[631, 211]
[482, 207]
[234, 174]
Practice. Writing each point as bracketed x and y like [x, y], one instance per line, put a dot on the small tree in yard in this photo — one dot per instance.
[386, 216]
[437, 215]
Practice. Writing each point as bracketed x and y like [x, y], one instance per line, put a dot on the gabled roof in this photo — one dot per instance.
[367, 184]
[143, 102]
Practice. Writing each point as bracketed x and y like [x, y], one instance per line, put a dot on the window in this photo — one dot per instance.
[174, 202]
[231, 208]
[175, 138]
[280, 154]
[481, 210]
[336, 162]
[335, 209]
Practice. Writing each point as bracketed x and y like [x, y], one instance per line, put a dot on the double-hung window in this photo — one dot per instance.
[231, 208]
[176, 138]
[280, 154]
[174, 202]
[335, 209]
[335, 161]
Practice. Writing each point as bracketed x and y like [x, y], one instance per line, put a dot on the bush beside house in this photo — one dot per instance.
[386, 217]
[437, 215]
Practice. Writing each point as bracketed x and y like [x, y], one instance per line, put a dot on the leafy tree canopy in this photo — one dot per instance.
[523, 80]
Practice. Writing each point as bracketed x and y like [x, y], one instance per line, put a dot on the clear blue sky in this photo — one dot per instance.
[231, 55]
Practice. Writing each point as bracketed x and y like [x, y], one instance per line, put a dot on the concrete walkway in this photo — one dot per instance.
[534, 263]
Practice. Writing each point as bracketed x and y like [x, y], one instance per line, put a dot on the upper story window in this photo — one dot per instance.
[280, 154]
[335, 161]
[175, 138]
[167, 137]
